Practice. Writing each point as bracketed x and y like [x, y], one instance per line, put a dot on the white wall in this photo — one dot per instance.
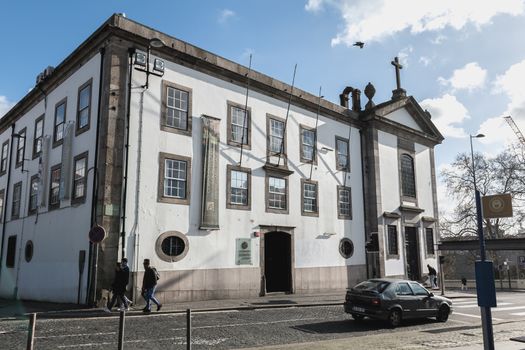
[390, 192]
[216, 249]
[60, 234]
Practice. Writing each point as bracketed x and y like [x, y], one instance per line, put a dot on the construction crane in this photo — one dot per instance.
[515, 128]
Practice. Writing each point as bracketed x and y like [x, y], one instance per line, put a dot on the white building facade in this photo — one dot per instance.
[232, 183]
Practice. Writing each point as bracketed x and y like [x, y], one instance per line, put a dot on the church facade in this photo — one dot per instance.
[232, 183]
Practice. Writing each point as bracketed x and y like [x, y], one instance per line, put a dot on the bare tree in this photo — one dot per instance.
[503, 173]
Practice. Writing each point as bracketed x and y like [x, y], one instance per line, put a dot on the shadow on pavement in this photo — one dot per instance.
[367, 325]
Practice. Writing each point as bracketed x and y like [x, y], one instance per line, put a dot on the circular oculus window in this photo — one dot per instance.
[346, 248]
[172, 246]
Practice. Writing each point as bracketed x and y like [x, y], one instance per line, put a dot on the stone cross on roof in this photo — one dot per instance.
[398, 66]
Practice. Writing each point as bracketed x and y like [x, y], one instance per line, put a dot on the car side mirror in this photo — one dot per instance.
[430, 294]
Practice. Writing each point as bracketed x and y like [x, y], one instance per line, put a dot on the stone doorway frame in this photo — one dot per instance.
[263, 230]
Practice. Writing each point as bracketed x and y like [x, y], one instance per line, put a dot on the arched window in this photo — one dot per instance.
[408, 181]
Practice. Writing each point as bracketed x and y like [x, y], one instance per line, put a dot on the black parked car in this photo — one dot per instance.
[393, 300]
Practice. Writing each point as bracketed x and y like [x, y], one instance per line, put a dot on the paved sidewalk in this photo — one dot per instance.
[19, 308]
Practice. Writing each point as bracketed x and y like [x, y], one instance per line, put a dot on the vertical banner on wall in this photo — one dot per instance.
[210, 173]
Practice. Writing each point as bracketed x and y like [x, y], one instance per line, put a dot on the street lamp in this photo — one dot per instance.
[486, 314]
[142, 62]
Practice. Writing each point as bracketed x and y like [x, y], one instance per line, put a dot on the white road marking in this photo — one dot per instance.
[75, 335]
[476, 305]
[475, 316]
[519, 314]
[508, 308]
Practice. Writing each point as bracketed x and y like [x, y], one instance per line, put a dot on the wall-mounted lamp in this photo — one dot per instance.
[325, 149]
[142, 61]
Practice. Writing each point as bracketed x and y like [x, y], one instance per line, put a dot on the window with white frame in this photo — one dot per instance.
[79, 178]
[177, 102]
[277, 193]
[175, 178]
[17, 196]
[38, 137]
[60, 119]
[174, 182]
[309, 197]
[307, 145]
[239, 187]
[84, 102]
[54, 188]
[239, 125]
[20, 147]
[5, 154]
[342, 151]
[276, 137]
[33, 194]
[344, 202]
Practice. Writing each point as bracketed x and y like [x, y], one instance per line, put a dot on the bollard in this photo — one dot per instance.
[121, 330]
[188, 329]
[31, 332]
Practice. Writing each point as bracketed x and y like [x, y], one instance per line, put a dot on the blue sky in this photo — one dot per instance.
[463, 60]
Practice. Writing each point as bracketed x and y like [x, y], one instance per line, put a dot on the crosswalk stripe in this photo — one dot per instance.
[476, 305]
[518, 314]
[508, 308]
[476, 316]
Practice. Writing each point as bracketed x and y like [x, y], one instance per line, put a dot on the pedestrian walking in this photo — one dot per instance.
[432, 276]
[149, 283]
[118, 287]
[463, 283]
[125, 270]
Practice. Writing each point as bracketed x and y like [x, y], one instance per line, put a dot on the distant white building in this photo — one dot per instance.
[232, 183]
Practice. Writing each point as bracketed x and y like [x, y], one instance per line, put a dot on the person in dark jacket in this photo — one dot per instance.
[432, 276]
[119, 288]
[149, 283]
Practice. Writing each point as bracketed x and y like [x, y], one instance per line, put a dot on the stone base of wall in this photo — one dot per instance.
[235, 283]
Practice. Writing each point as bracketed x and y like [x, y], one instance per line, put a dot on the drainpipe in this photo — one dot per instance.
[131, 52]
[365, 208]
[93, 248]
[6, 197]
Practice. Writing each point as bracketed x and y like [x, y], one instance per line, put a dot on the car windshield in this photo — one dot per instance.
[372, 285]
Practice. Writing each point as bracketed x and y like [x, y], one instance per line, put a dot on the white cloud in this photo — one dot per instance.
[438, 39]
[403, 55]
[225, 15]
[374, 20]
[470, 77]
[5, 105]
[425, 60]
[509, 83]
[314, 5]
[447, 113]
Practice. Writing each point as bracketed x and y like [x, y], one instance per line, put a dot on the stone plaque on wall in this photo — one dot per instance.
[243, 251]
[210, 173]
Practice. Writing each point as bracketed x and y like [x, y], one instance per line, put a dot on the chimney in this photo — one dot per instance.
[344, 96]
[356, 100]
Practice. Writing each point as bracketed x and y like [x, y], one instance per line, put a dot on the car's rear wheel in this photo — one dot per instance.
[442, 315]
[394, 317]
[358, 317]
